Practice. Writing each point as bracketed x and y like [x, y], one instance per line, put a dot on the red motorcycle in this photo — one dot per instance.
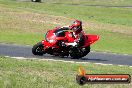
[57, 42]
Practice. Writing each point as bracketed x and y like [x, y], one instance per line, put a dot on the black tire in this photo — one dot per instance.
[36, 0]
[85, 51]
[38, 49]
[75, 54]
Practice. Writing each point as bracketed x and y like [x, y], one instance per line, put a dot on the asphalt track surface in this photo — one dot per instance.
[94, 57]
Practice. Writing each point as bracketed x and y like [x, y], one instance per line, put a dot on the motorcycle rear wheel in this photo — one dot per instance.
[38, 49]
[75, 54]
[79, 53]
[85, 51]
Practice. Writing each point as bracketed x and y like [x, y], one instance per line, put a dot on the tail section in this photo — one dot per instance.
[90, 39]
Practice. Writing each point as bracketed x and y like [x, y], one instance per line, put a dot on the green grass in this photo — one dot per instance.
[26, 23]
[42, 74]
[92, 2]
[106, 15]
[112, 42]
[18, 38]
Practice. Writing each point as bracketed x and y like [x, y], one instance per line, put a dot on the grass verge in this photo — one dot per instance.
[92, 2]
[49, 74]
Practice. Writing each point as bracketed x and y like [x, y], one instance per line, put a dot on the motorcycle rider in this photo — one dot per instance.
[77, 33]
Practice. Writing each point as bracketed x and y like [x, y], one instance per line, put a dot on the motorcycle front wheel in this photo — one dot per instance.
[38, 49]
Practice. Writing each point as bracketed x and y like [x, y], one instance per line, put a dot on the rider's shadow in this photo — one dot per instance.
[69, 58]
[89, 59]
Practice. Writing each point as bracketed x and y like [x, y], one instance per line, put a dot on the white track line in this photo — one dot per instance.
[23, 58]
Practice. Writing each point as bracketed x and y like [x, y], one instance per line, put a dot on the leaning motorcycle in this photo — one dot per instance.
[56, 43]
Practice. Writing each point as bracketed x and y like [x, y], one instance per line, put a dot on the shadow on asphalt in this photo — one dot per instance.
[87, 59]
[66, 58]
